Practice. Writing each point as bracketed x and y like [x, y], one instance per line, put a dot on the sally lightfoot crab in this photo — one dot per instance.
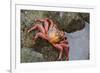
[49, 31]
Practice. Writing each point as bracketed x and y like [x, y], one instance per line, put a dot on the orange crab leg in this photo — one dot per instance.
[66, 47]
[59, 47]
[38, 27]
[46, 26]
[67, 53]
[41, 35]
[64, 41]
[48, 23]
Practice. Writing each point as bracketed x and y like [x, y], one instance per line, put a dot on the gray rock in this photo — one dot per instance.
[67, 21]
[85, 16]
[29, 55]
[28, 16]
[79, 44]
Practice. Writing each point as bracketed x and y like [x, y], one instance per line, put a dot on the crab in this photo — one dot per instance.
[49, 31]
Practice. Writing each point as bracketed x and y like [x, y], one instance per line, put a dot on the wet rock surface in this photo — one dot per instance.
[79, 44]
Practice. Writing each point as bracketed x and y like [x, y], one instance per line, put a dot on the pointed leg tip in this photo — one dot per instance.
[35, 19]
[28, 31]
[59, 59]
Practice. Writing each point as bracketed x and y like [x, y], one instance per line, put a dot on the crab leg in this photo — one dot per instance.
[64, 41]
[38, 27]
[41, 35]
[59, 48]
[48, 23]
[46, 26]
[51, 23]
[66, 47]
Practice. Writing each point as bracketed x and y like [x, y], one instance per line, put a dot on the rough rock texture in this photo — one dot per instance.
[68, 21]
[28, 55]
[85, 17]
